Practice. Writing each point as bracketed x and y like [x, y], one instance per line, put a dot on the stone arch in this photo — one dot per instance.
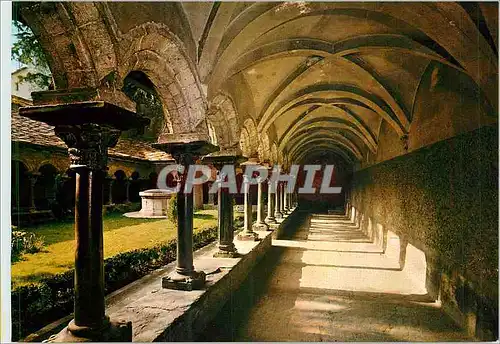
[138, 87]
[30, 164]
[51, 25]
[78, 44]
[274, 153]
[223, 116]
[61, 165]
[245, 143]
[113, 167]
[264, 148]
[249, 139]
[152, 49]
[212, 134]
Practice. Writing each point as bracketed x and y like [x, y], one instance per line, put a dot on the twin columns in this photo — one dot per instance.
[92, 127]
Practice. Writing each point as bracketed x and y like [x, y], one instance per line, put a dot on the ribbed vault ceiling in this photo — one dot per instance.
[288, 80]
[322, 76]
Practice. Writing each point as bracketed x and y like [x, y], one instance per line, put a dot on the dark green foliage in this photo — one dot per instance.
[121, 208]
[28, 50]
[24, 242]
[34, 306]
[141, 90]
[172, 208]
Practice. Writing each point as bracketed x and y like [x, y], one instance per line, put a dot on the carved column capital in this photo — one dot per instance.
[88, 144]
[184, 158]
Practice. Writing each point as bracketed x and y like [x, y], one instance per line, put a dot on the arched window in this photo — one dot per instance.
[141, 90]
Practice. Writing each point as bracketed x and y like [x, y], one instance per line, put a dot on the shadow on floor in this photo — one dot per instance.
[343, 291]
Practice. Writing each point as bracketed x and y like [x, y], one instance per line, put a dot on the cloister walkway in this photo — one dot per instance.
[328, 282]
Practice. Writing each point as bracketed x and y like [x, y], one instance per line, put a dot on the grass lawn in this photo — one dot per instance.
[121, 234]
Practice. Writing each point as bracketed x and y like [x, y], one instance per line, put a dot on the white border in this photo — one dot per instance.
[5, 155]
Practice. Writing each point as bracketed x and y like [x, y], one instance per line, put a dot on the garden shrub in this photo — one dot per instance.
[24, 242]
[172, 208]
[121, 208]
[34, 306]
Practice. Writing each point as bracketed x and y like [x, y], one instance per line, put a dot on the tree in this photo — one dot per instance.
[28, 50]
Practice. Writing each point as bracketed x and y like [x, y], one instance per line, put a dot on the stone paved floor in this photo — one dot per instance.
[327, 282]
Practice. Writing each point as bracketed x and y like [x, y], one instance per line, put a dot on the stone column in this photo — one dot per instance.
[225, 202]
[211, 198]
[127, 190]
[110, 196]
[225, 223]
[247, 233]
[33, 178]
[260, 225]
[198, 196]
[284, 205]
[270, 219]
[185, 149]
[88, 143]
[277, 208]
[89, 316]
[286, 208]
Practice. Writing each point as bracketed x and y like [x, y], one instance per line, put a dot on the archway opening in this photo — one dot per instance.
[138, 87]
[135, 187]
[45, 187]
[119, 188]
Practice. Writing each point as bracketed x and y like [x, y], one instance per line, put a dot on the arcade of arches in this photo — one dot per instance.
[402, 98]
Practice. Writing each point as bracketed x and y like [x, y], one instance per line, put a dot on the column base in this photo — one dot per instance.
[270, 220]
[112, 331]
[260, 227]
[278, 216]
[274, 226]
[195, 280]
[227, 254]
[248, 236]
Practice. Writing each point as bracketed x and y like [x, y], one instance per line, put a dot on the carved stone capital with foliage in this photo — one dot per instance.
[184, 158]
[88, 144]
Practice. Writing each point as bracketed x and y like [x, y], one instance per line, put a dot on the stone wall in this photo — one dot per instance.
[443, 199]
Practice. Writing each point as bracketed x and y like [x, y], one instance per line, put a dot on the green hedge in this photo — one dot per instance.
[121, 208]
[34, 306]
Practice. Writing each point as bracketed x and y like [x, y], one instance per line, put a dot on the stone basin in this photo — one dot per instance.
[154, 204]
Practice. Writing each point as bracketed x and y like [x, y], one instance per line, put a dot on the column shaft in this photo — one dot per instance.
[226, 225]
[277, 210]
[127, 190]
[184, 233]
[260, 224]
[32, 179]
[111, 182]
[247, 233]
[89, 269]
[286, 208]
[270, 205]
